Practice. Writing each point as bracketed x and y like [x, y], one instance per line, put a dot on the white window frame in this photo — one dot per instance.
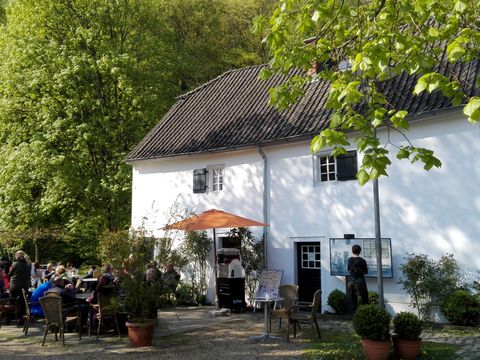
[314, 263]
[213, 184]
[317, 167]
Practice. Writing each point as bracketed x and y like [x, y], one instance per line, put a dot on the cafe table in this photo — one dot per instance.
[83, 296]
[267, 301]
[90, 280]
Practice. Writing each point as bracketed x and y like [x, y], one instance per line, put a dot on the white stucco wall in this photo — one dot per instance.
[431, 212]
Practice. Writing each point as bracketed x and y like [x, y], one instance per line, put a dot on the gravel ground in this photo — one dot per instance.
[224, 339]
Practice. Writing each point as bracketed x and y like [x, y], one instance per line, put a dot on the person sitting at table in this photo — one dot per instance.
[104, 285]
[35, 307]
[3, 288]
[67, 292]
[171, 279]
[63, 289]
[37, 274]
[89, 286]
[48, 272]
[61, 271]
[90, 272]
[152, 275]
[5, 265]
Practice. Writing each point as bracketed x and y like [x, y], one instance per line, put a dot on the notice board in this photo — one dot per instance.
[268, 283]
[341, 250]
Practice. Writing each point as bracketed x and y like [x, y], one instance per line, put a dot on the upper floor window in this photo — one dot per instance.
[211, 178]
[200, 181]
[217, 178]
[341, 168]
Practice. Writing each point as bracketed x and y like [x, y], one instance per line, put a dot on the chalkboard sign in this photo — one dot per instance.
[341, 250]
[268, 283]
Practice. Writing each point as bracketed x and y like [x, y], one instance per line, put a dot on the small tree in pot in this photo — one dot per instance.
[372, 324]
[407, 342]
[140, 299]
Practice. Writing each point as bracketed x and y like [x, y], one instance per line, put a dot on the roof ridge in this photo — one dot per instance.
[215, 79]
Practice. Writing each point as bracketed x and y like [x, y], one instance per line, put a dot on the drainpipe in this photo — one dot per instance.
[265, 203]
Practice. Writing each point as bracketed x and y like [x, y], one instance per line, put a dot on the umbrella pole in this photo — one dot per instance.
[217, 305]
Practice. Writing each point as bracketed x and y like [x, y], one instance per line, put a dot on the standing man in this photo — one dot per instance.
[357, 268]
[20, 274]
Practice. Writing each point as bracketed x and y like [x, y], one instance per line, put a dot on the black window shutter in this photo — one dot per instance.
[199, 181]
[347, 166]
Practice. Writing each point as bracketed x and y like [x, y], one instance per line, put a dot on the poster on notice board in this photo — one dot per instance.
[268, 283]
[341, 250]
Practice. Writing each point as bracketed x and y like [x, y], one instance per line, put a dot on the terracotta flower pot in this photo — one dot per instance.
[407, 349]
[140, 334]
[376, 350]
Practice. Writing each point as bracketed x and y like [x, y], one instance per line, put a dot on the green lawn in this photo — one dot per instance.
[343, 346]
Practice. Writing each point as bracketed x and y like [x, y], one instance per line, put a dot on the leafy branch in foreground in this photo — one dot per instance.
[358, 46]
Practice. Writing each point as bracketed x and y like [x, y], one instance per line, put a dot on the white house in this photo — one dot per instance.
[256, 163]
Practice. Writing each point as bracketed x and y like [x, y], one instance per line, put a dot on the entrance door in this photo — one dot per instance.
[308, 269]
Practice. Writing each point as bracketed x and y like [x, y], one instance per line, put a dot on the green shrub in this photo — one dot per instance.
[372, 322]
[429, 282]
[337, 300]
[201, 299]
[407, 325]
[372, 298]
[461, 308]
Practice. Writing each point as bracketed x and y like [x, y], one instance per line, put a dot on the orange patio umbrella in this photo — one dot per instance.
[213, 219]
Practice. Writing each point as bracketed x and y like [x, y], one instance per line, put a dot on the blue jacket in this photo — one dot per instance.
[39, 292]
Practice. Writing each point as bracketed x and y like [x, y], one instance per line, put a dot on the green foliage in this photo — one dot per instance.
[372, 298]
[140, 299]
[337, 300]
[407, 325]
[429, 282]
[379, 40]
[196, 249]
[115, 247]
[82, 81]
[185, 294]
[372, 322]
[252, 255]
[462, 308]
[201, 300]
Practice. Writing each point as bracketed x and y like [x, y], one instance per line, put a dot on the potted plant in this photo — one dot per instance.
[407, 342]
[140, 298]
[372, 324]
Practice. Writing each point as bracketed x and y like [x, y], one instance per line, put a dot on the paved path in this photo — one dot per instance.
[232, 331]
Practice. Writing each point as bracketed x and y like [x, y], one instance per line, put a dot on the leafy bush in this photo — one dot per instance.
[461, 308]
[372, 322]
[407, 325]
[337, 300]
[372, 298]
[429, 282]
[201, 300]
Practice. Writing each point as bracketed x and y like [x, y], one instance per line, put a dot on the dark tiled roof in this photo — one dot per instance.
[232, 111]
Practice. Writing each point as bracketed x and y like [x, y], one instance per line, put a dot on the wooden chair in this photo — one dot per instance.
[304, 313]
[28, 313]
[8, 306]
[106, 309]
[289, 293]
[55, 319]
